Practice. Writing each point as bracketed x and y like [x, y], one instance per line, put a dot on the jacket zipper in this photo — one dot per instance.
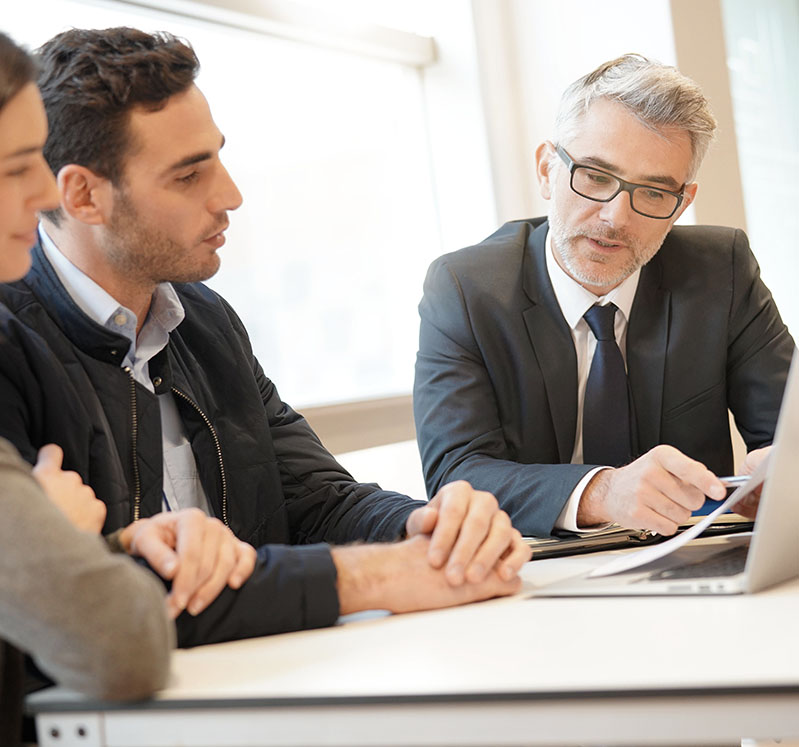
[134, 439]
[214, 435]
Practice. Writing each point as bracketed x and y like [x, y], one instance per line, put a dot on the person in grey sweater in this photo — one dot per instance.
[91, 619]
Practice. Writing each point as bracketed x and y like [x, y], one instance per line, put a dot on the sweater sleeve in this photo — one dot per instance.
[93, 621]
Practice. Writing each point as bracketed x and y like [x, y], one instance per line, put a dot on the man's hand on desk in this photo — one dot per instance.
[197, 552]
[658, 491]
[470, 537]
[398, 577]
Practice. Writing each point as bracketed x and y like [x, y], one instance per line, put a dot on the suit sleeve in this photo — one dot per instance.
[759, 350]
[458, 421]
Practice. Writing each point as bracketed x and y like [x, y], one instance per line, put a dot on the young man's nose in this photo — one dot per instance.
[226, 196]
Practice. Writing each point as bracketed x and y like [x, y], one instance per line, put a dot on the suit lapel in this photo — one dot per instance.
[647, 342]
[552, 342]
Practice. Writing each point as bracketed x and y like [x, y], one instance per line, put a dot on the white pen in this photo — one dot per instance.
[733, 481]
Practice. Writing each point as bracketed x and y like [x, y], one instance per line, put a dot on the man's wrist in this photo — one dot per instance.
[592, 509]
[362, 575]
[567, 518]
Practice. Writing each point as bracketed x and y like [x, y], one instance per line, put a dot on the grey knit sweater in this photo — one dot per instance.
[92, 620]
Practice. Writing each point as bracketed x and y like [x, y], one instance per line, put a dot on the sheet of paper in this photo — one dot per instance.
[653, 552]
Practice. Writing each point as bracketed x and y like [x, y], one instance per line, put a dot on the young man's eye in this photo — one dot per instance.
[189, 178]
[21, 171]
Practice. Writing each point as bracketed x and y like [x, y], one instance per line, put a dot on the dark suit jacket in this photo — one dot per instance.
[495, 396]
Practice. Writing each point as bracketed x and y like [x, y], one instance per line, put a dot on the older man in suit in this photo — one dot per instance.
[582, 367]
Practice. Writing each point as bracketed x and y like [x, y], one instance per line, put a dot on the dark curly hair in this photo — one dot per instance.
[90, 82]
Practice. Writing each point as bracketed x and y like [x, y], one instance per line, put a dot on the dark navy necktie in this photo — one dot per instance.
[606, 407]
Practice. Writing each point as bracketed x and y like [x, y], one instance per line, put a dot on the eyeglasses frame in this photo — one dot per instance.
[624, 186]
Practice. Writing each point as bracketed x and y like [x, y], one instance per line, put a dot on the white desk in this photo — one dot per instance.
[687, 671]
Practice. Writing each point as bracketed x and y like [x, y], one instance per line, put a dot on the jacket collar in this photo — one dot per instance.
[647, 342]
[89, 336]
[551, 340]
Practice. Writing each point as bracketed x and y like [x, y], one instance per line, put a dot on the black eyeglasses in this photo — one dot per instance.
[602, 186]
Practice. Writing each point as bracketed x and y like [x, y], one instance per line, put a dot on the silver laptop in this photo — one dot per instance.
[737, 564]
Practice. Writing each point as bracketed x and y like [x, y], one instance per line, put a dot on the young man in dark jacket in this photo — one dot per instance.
[146, 378]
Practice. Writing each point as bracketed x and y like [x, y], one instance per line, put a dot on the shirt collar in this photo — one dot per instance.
[574, 300]
[100, 305]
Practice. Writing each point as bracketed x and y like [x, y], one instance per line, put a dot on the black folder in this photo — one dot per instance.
[618, 538]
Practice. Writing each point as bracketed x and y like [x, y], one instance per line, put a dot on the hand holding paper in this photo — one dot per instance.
[648, 554]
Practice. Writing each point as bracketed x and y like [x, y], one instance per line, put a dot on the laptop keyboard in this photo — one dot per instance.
[725, 563]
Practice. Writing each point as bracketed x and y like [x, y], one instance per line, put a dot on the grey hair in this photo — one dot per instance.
[658, 95]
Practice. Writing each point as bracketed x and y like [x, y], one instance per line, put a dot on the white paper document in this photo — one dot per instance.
[653, 552]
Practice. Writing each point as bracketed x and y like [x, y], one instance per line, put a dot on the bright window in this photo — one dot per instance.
[325, 259]
[763, 57]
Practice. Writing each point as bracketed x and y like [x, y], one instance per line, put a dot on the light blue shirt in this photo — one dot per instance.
[182, 486]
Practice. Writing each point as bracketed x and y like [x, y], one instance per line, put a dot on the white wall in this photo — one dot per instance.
[763, 55]
[543, 46]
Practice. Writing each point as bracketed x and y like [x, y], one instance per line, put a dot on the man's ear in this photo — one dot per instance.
[84, 195]
[543, 158]
[689, 195]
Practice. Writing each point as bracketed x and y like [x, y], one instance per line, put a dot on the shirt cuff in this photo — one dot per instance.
[567, 519]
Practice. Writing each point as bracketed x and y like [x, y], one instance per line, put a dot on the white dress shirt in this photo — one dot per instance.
[574, 301]
[182, 486]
